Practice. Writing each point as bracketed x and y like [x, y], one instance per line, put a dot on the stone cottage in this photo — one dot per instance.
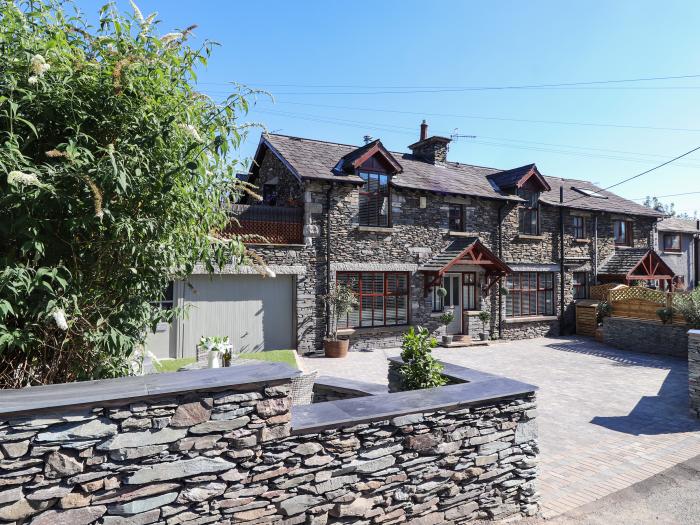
[396, 227]
[678, 242]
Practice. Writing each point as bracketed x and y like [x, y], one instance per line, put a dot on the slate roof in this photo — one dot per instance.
[622, 261]
[674, 224]
[317, 159]
[446, 256]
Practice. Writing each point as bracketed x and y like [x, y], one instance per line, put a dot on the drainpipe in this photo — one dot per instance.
[595, 249]
[561, 259]
[328, 256]
[696, 284]
[500, 256]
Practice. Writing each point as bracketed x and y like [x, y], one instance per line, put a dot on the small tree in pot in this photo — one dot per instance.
[445, 320]
[340, 301]
[484, 317]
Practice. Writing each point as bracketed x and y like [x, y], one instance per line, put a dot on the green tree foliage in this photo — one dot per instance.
[690, 309]
[420, 368]
[114, 175]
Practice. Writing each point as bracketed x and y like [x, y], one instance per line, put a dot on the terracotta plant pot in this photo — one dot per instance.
[337, 348]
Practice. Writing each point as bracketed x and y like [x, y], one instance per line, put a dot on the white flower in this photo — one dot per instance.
[137, 12]
[39, 65]
[60, 317]
[166, 39]
[100, 214]
[191, 131]
[18, 177]
[33, 80]
[269, 272]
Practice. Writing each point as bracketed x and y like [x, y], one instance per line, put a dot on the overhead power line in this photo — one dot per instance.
[674, 159]
[435, 89]
[485, 117]
[522, 144]
[666, 196]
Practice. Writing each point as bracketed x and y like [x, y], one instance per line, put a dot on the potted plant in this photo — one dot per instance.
[445, 319]
[484, 317]
[340, 301]
[217, 347]
[420, 369]
[665, 314]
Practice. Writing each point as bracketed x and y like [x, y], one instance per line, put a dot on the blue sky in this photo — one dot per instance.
[320, 58]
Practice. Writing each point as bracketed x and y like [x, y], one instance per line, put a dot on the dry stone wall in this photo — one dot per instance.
[694, 372]
[231, 454]
[649, 337]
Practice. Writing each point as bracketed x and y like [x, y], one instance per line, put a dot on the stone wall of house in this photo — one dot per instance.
[419, 233]
[649, 337]
[229, 455]
[290, 190]
[694, 372]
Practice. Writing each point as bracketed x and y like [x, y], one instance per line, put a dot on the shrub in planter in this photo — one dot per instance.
[665, 314]
[340, 301]
[604, 310]
[484, 317]
[445, 320]
[690, 309]
[420, 368]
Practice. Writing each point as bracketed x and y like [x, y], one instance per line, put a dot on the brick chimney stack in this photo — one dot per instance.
[430, 149]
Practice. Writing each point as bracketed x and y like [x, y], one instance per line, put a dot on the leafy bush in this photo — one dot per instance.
[447, 318]
[340, 301]
[114, 173]
[665, 314]
[604, 310]
[690, 309]
[420, 369]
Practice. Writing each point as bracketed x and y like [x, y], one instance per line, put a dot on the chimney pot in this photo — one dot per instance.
[423, 130]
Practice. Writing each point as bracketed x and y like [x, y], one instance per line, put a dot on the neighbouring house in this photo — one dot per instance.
[396, 227]
[678, 243]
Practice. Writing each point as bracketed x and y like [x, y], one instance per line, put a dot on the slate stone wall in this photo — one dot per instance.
[418, 234]
[649, 337]
[694, 372]
[231, 456]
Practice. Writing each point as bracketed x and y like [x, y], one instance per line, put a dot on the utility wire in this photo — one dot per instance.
[433, 89]
[410, 131]
[665, 196]
[482, 117]
[640, 174]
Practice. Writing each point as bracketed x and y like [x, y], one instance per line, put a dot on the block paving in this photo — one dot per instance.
[607, 418]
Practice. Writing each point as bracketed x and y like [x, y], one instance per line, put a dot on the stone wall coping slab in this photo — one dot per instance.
[349, 412]
[128, 389]
[349, 386]
[694, 333]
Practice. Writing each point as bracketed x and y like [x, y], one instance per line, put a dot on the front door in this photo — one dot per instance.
[451, 282]
[469, 298]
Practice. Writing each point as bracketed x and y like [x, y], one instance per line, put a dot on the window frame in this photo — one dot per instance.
[628, 232]
[345, 323]
[521, 292]
[671, 235]
[460, 207]
[364, 191]
[579, 228]
[471, 284]
[532, 207]
[578, 287]
[168, 300]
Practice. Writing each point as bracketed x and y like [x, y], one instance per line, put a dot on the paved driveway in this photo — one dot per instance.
[607, 418]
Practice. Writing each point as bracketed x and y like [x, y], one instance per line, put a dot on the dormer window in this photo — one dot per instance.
[529, 219]
[375, 199]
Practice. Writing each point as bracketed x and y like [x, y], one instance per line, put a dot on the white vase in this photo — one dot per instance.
[214, 359]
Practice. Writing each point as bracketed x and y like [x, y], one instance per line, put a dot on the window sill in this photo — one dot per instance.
[672, 252]
[525, 237]
[455, 233]
[534, 318]
[582, 241]
[373, 330]
[471, 313]
[375, 229]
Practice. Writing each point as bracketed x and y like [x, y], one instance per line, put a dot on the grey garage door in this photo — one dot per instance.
[256, 313]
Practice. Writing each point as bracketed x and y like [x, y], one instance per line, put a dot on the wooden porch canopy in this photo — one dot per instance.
[468, 250]
[636, 264]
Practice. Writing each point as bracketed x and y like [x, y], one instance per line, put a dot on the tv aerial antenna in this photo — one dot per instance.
[455, 136]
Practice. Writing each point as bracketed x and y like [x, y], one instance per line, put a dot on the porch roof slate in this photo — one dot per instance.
[317, 159]
[445, 257]
[622, 261]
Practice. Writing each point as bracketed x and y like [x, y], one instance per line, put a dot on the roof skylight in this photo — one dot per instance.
[589, 193]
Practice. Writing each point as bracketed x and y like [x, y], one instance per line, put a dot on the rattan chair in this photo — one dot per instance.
[303, 388]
